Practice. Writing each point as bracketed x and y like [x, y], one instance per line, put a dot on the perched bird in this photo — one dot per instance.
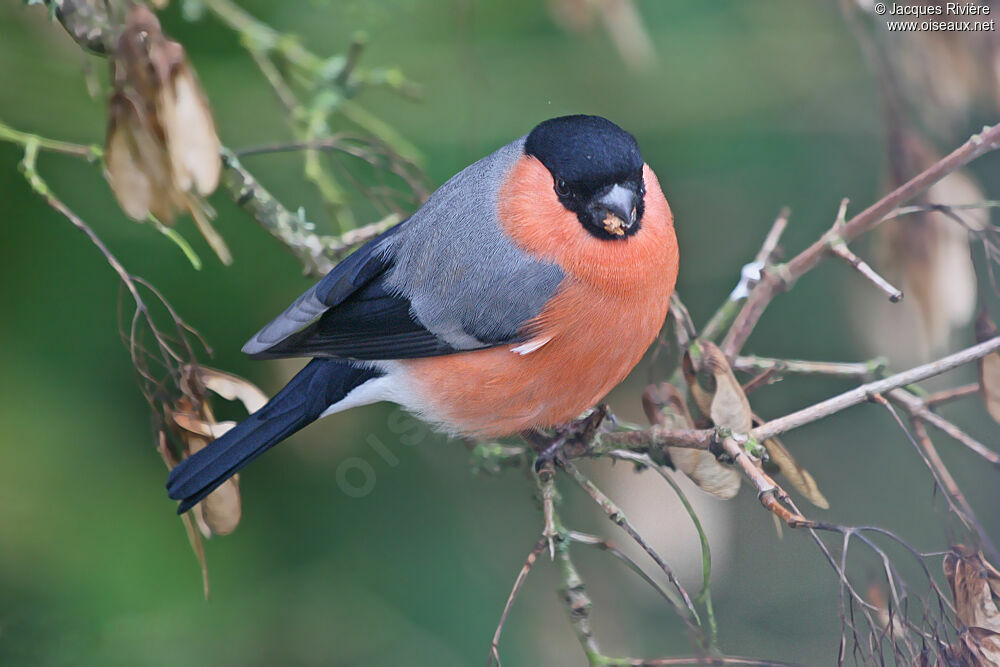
[517, 296]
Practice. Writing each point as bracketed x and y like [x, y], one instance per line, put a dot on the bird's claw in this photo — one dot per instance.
[547, 457]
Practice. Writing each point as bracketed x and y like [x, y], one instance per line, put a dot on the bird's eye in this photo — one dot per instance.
[561, 188]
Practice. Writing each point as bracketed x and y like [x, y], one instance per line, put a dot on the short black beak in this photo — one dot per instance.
[619, 201]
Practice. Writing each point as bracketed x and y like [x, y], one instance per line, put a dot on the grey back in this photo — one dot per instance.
[466, 280]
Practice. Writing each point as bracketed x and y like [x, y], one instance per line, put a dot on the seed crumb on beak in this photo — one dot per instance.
[614, 225]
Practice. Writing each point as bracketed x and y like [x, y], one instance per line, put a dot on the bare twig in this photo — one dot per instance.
[611, 548]
[370, 150]
[839, 248]
[657, 437]
[860, 370]
[774, 282]
[705, 594]
[918, 409]
[686, 331]
[686, 610]
[773, 238]
[864, 392]
[949, 395]
[939, 208]
[545, 477]
[652, 438]
[751, 273]
[521, 576]
[318, 254]
[578, 603]
[8, 133]
[328, 85]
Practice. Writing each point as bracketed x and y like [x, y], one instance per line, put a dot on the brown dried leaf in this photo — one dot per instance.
[620, 19]
[796, 475]
[187, 122]
[928, 256]
[199, 551]
[876, 596]
[715, 388]
[232, 388]
[720, 396]
[192, 424]
[665, 405]
[202, 218]
[975, 586]
[705, 470]
[989, 367]
[129, 183]
[192, 534]
[162, 146]
[137, 166]
[219, 513]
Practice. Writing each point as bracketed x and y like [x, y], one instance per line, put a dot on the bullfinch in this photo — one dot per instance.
[516, 297]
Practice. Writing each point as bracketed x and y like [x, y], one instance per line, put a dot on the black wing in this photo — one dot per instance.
[351, 314]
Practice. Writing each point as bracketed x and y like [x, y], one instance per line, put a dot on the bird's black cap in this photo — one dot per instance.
[585, 151]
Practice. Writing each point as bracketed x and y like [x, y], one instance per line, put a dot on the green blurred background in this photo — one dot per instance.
[748, 107]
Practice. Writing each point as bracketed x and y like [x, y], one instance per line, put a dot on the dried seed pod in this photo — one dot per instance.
[989, 367]
[928, 256]
[797, 476]
[975, 586]
[219, 513]
[231, 387]
[715, 388]
[721, 398]
[664, 405]
[162, 149]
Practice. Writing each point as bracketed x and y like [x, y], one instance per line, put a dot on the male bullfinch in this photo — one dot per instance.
[517, 296]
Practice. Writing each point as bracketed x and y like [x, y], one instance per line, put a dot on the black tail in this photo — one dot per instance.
[319, 385]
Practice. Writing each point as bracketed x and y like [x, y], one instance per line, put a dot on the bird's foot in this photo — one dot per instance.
[547, 457]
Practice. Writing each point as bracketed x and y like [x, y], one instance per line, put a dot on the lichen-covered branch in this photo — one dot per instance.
[317, 254]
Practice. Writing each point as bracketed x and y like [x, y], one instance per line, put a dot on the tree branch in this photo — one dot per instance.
[774, 282]
[318, 254]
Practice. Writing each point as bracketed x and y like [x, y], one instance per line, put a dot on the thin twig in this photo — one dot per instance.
[578, 603]
[860, 370]
[8, 133]
[916, 408]
[618, 518]
[939, 208]
[659, 437]
[949, 395]
[611, 548]
[839, 248]
[545, 476]
[318, 254]
[705, 594]
[774, 282]
[521, 576]
[723, 317]
[862, 393]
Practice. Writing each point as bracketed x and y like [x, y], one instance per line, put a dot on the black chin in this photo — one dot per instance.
[590, 204]
[593, 221]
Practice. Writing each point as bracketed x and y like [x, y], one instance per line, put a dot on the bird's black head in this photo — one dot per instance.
[597, 172]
